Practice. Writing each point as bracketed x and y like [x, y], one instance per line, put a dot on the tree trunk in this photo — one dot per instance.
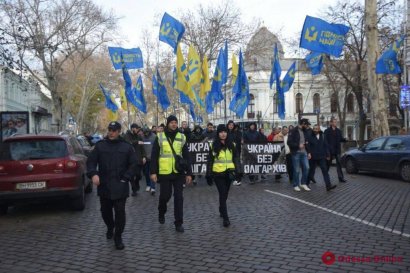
[380, 125]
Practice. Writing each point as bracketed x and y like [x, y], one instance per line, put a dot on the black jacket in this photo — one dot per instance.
[112, 161]
[334, 138]
[294, 139]
[197, 134]
[235, 137]
[138, 144]
[318, 148]
[154, 164]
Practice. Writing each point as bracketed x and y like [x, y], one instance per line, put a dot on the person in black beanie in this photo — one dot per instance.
[222, 166]
[163, 170]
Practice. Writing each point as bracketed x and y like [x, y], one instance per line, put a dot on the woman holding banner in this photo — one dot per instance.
[223, 166]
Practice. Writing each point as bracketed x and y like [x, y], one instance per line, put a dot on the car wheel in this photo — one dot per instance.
[78, 203]
[405, 171]
[89, 188]
[3, 209]
[351, 167]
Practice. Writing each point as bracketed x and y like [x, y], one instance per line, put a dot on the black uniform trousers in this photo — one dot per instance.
[107, 206]
[223, 184]
[289, 167]
[312, 168]
[338, 165]
[166, 183]
[135, 181]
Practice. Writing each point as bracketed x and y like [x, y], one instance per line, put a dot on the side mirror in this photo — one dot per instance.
[363, 148]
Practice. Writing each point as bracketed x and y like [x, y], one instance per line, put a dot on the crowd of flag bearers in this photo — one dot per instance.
[161, 154]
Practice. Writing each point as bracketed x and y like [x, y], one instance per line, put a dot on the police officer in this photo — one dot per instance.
[222, 167]
[111, 166]
[163, 170]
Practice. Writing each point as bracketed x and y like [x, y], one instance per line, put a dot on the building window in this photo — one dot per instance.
[350, 133]
[251, 106]
[393, 105]
[333, 103]
[316, 103]
[275, 103]
[299, 103]
[350, 103]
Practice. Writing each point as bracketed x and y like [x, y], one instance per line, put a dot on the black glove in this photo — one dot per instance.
[209, 180]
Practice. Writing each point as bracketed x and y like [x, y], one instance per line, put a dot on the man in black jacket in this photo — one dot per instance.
[236, 137]
[133, 138]
[111, 166]
[319, 152]
[334, 138]
[297, 142]
[163, 170]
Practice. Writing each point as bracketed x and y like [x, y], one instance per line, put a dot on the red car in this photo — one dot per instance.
[38, 167]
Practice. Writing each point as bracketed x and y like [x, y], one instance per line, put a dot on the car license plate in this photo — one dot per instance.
[31, 185]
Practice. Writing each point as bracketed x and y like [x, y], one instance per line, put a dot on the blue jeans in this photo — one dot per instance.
[300, 160]
[147, 175]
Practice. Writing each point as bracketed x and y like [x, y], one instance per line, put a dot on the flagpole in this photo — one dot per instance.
[128, 114]
[225, 104]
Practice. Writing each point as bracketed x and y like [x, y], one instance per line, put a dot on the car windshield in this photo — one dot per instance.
[33, 149]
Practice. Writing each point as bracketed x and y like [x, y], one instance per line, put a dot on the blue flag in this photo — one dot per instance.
[276, 69]
[171, 31]
[215, 95]
[138, 96]
[225, 72]
[289, 78]
[280, 101]
[320, 36]
[315, 62]
[128, 83]
[109, 104]
[159, 90]
[240, 90]
[132, 57]
[387, 63]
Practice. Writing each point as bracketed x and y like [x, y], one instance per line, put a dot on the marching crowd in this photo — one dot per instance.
[161, 155]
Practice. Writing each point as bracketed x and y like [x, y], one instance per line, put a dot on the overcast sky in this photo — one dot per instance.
[287, 15]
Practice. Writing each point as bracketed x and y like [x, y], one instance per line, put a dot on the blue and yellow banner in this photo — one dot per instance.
[109, 102]
[315, 62]
[276, 69]
[132, 57]
[138, 95]
[215, 95]
[159, 90]
[388, 63]
[289, 78]
[321, 36]
[171, 31]
[241, 97]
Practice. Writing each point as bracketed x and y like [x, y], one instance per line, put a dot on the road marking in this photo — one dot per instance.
[370, 224]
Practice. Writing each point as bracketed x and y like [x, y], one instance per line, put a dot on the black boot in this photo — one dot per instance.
[118, 242]
[226, 222]
[110, 233]
[179, 228]
[161, 219]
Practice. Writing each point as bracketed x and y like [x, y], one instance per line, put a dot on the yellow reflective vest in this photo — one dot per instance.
[223, 161]
[166, 158]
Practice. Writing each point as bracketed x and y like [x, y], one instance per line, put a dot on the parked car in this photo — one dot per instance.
[38, 167]
[96, 138]
[389, 154]
[87, 148]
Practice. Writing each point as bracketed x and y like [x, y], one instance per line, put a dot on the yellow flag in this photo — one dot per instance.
[235, 68]
[182, 83]
[205, 83]
[112, 116]
[123, 99]
[194, 66]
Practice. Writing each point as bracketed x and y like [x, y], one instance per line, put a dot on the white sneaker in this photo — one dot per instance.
[152, 191]
[296, 188]
[236, 183]
[148, 188]
[306, 188]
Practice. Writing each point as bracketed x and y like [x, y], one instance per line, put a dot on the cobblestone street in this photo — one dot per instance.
[274, 229]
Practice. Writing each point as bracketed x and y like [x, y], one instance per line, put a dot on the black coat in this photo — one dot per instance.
[318, 148]
[138, 145]
[294, 139]
[333, 139]
[235, 137]
[112, 161]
